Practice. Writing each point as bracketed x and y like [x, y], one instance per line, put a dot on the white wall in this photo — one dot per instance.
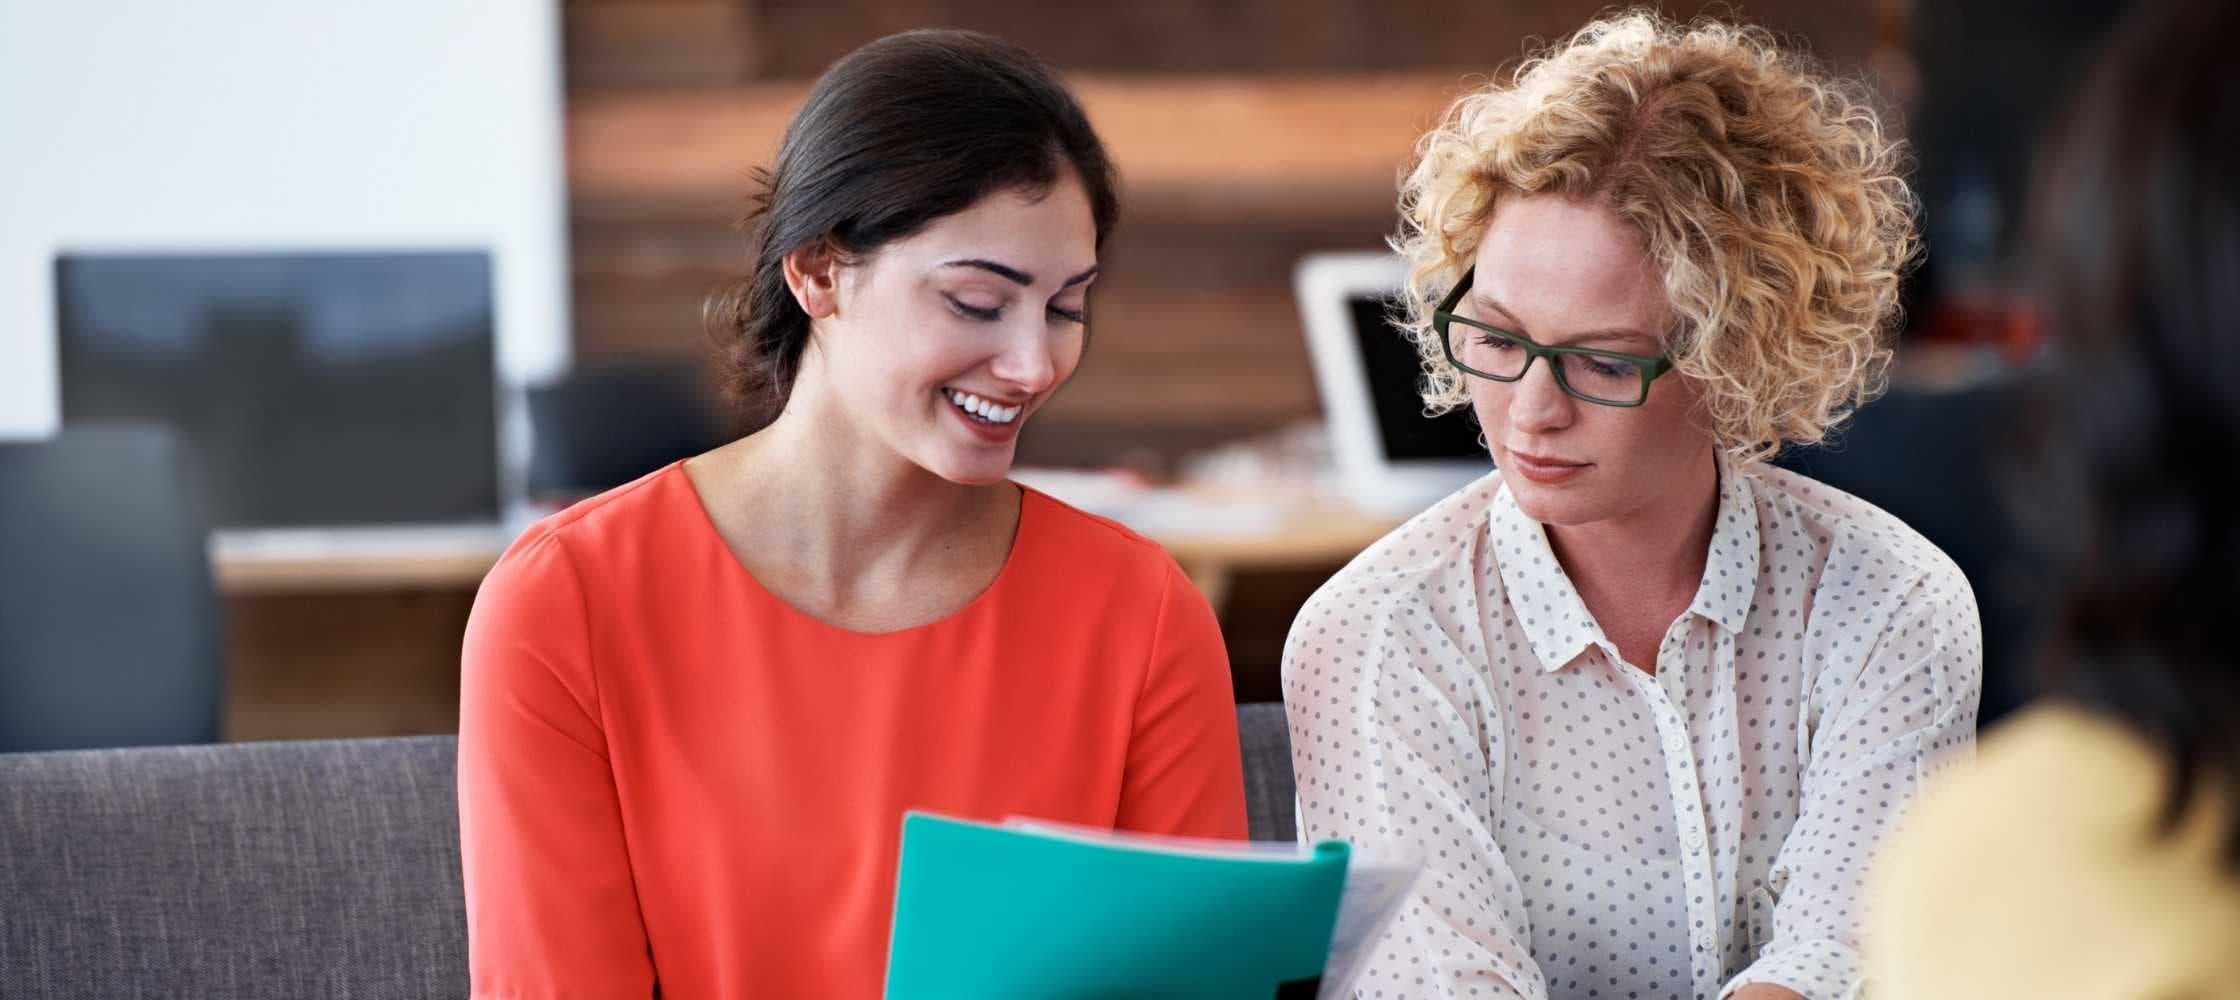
[277, 124]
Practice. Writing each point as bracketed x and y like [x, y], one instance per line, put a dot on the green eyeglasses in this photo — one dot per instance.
[1608, 378]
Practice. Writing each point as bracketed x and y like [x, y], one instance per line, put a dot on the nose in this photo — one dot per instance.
[1537, 403]
[1025, 362]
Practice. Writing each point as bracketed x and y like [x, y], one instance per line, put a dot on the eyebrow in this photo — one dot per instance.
[1605, 333]
[1014, 275]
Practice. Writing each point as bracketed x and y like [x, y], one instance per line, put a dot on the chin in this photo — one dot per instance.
[977, 470]
[1555, 505]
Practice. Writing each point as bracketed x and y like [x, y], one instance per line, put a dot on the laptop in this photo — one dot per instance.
[1390, 458]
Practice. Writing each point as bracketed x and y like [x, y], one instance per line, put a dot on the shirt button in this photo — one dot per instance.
[1695, 839]
[1675, 743]
[1706, 942]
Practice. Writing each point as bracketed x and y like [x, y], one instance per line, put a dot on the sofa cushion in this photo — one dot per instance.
[257, 870]
[262, 871]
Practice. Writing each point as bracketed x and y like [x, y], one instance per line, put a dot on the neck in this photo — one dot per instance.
[853, 507]
[1659, 549]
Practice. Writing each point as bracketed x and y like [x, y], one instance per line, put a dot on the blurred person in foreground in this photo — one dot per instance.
[696, 707]
[1643, 704]
[2093, 850]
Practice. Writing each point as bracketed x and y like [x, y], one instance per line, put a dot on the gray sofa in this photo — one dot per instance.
[263, 871]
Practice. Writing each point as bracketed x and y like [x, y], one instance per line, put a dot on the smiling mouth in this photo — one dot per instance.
[983, 410]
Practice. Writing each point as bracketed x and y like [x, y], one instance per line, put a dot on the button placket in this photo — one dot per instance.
[1687, 809]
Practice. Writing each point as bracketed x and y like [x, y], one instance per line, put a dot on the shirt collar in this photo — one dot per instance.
[1548, 608]
[1730, 569]
[1555, 619]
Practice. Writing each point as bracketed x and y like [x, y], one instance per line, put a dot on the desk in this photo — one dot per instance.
[357, 560]
[356, 633]
[457, 558]
[1312, 536]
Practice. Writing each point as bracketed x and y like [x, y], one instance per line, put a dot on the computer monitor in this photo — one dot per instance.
[1390, 457]
[317, 390]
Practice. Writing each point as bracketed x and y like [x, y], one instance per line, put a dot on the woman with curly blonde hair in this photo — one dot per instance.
[1644, 705]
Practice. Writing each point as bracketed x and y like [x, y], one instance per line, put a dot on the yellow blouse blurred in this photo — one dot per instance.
[2039, 872]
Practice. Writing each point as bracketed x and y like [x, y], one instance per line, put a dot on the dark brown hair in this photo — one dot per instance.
[897, 134]
[2135, 232]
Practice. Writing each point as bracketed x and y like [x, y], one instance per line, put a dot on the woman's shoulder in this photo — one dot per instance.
[1070, 564]
[1086, 542]
[2057, 797]
[1439, 546]
[2053, 764]
[2050, 793]
[636, 516]
[1795, 501]
[2046, 841]
[1834, 522]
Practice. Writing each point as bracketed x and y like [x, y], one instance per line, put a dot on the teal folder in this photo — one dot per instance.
[987, 911]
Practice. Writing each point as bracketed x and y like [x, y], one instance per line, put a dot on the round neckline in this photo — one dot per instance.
[706, 526]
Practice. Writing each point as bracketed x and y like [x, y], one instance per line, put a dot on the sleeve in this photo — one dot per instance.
[1185, 770]
[1394, 751]
[1906, 712]
[551, 907]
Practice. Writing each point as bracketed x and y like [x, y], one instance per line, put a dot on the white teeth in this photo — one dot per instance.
[984, 409]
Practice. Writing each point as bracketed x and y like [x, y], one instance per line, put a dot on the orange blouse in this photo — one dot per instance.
[666, 773]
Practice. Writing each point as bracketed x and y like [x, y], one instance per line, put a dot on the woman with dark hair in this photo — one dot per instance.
[2094, 851]
[696, 707]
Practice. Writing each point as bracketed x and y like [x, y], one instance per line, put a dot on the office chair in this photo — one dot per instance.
[599, 428]
[110, 630]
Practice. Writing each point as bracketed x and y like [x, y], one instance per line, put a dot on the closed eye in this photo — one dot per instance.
[1606, 367]
[974, 312]
[1075, 316]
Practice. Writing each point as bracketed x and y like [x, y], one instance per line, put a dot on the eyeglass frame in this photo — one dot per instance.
[1443, 318]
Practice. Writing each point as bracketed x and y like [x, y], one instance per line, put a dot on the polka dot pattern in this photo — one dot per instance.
[1591, 830]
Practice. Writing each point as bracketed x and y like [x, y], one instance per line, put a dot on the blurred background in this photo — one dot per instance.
[307, 308]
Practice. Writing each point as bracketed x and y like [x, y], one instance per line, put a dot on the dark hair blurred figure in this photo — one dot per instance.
[2108, 810]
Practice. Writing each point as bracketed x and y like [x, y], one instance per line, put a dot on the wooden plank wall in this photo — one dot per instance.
[1248, 132]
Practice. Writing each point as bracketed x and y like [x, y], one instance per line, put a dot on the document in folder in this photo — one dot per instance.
[1030, 910]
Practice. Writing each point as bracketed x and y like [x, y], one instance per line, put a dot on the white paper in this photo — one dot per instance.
[1375, 889]
[1266, 850]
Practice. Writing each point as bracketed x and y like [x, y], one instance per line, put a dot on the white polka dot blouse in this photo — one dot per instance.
[1589, 829]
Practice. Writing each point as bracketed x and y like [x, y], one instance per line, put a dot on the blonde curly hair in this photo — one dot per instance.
[1770, 201]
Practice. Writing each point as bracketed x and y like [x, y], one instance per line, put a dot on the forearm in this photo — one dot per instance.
[1766, 991]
